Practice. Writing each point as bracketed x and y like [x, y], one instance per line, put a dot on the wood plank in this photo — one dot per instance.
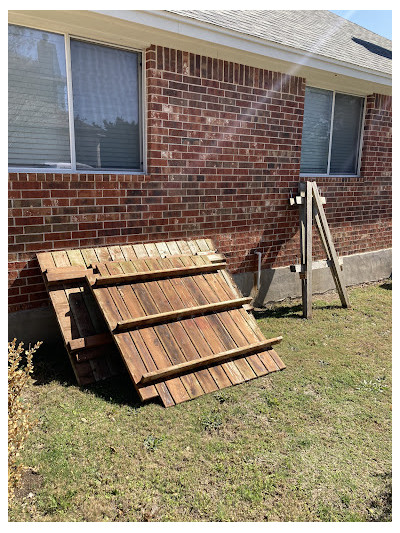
[190, 338]
[163, 249]
[173, 371]
[103, 254]
[89, 342]
[308, 258]
[238, 326]
[55, 277]
[45, 260]
[134, 362]
[128, 252]
[193, 246]
[140, 250]
[212, 290]
[75, 258]
[327, 233]
[155, 274]
[169, 316]
[89, 256]
[176, 339]
[128, 305]
[184, 248]
[61, 258]
[151, 249]
[116, 253]
[200, 328]
[173, 247]
[202, 244]
[224, 340]
[152, 301]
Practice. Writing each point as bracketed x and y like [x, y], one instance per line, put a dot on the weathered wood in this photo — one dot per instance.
[332, 251]
[55, 277]
[155, 274]
[159, 345]
[169, 316]
[308, 265]
[92, 341]
[175, 370]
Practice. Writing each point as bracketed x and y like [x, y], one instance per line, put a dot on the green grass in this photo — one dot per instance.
[311, 443]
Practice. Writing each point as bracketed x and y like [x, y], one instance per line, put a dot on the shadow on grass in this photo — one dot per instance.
[387, 286]
[294, 311]
[51, 364]
[382, 504]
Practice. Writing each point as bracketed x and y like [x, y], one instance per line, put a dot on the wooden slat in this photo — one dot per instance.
[190, 338]
[46, 261]
[155, 274]
[308, 258]
[174, 337]
[221, 340]
[113, 313]
[199, 328]
[146, 346]
[238, 326]
[89, 342]
[213, 293]
[169, 316]
[55, 277]
[173, 371]
[329, 241]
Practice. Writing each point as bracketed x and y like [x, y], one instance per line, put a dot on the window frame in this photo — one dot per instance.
[360, 138]
[142, 109]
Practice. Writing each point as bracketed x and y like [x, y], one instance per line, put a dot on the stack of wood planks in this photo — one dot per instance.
[169, 311]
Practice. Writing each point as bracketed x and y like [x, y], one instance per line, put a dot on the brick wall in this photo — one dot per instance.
[223, 157]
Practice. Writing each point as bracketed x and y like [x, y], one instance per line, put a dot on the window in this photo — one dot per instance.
[331, 132]
[72, 104]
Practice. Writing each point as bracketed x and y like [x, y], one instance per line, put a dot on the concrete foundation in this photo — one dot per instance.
[280, 283]
[276, 284]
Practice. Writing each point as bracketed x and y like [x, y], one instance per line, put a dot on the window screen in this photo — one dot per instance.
[38, 110]
[331, 152]
[106, 106]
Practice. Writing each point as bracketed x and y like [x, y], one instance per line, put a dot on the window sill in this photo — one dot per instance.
[301, 175]
[26, 170]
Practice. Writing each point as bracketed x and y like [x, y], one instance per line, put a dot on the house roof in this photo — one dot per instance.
[314, 31]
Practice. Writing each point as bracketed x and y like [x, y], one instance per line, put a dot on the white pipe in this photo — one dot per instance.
[259, 270]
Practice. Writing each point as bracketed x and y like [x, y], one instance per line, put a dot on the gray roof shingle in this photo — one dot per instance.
[316, 31]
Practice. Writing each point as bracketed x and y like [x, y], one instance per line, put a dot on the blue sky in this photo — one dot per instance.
[377, 21]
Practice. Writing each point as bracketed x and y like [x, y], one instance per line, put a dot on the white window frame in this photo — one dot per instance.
[360, 139]
[142, 110]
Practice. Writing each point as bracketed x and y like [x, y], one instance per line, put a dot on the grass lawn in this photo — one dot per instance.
[311, 443]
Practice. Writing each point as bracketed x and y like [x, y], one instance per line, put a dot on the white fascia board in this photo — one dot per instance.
[194, 29]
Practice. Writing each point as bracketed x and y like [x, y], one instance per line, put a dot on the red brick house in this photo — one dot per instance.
[140, 126]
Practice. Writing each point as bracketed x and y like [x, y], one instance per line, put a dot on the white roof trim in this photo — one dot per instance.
[192, 28]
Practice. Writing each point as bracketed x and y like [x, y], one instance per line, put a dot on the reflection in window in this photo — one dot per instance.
[38, 109]
[105, 85]
[331, 152]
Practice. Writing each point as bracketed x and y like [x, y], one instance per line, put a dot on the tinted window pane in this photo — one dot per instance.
[37, 89]
[346, 133]
[106, 107]
[316, 131]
